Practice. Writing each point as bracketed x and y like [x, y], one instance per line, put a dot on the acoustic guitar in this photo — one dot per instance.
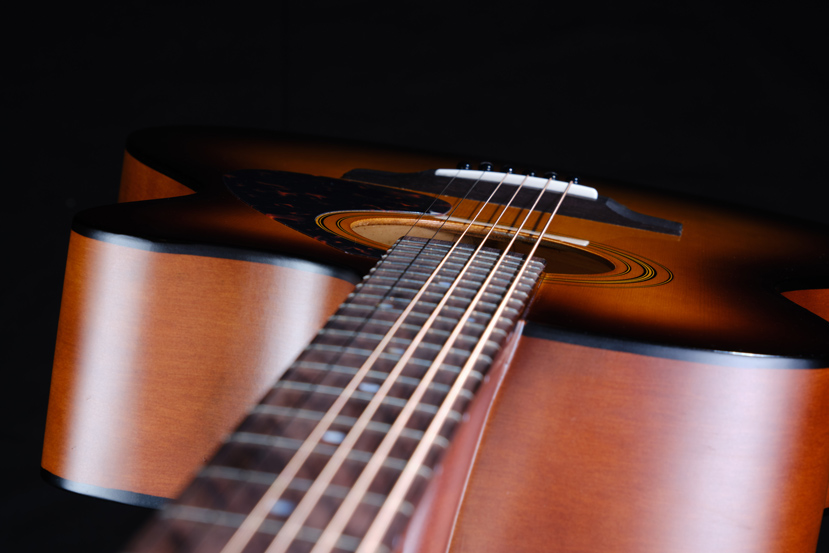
[320, 346]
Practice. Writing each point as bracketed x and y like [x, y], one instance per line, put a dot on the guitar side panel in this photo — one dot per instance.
[598, 450]
[159, 354]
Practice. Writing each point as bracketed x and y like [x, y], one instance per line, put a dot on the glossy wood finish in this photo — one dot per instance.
[159, 355]
[586, 448]
[612, 451]
[436, 519]
[728, 265]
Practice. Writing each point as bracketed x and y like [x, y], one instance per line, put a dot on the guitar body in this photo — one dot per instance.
[667, 392]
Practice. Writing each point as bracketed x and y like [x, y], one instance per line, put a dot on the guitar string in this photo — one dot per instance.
[263, 507]
[322, 426]
[377, 530]
[258, 458]
[468, 189]
[359, 489]
[312, 496]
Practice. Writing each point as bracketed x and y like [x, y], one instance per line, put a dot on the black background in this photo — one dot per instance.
[728, 104]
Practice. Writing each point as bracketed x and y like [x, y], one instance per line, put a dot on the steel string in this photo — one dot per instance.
[373, 537]
[259, 513]
[311, 498]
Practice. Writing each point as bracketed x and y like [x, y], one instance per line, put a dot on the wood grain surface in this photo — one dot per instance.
[685, 412]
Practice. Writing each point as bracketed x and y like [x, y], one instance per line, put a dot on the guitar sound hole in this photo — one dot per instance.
[561, 258]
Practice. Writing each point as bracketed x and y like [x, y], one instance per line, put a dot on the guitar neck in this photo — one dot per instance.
[338, 452]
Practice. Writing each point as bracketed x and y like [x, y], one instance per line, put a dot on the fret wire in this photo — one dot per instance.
[347, 318]
[403, 380]
[280, 442]
[495, 290]
[365, 396]
[263, 507]
[374, 536]
[395, 311]
[234, 520]
[366, 352]
[298, 484]
[334, 334]
[400, 293]
[283, 540]
[357, 356]
[378, 375]
[302, 510]
[309, 390]
[415, 315]
[332, 390]
[469, 282]
[435, 332]
[431, 299]
[374, 426]
[320, 366]
[412, 248]
[262, 457]
[338, 523]
[443, 256]
[430, 256]
[409, 247]
[391, 402]
[372, 298]
[417, 249]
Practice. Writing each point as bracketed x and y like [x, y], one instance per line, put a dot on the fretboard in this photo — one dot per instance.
[337, 454]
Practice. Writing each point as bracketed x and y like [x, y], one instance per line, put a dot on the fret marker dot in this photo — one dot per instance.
[333, 437]
[283, 508]
[385, 306]
[370, 387]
